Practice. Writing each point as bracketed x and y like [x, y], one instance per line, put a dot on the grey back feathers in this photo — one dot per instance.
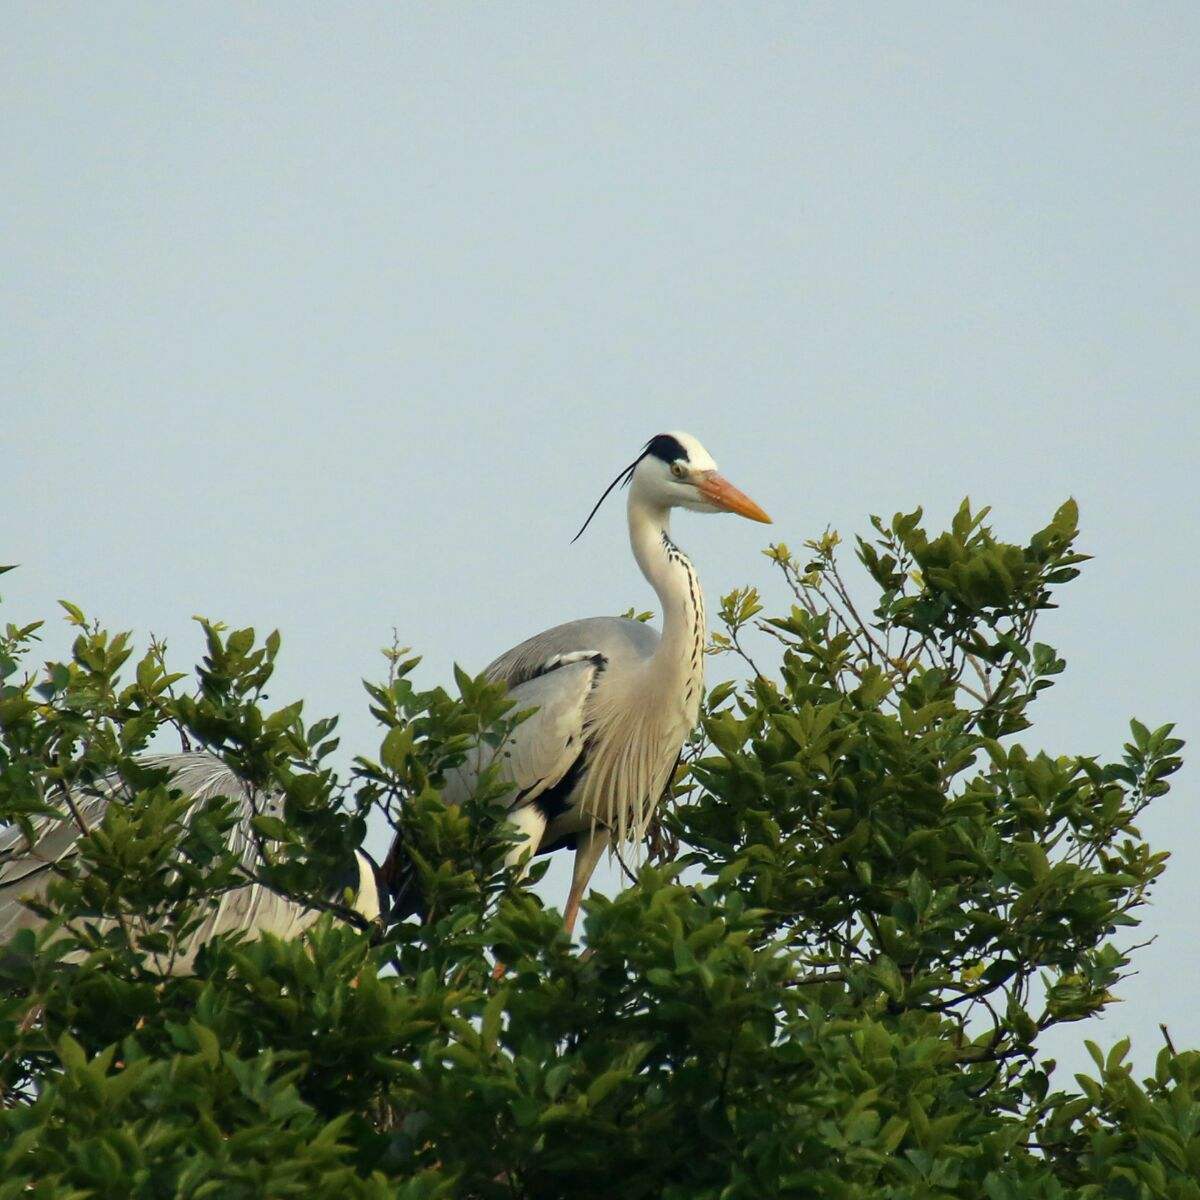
[622, 641]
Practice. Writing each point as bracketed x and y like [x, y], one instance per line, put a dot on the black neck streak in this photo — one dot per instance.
[696, 597]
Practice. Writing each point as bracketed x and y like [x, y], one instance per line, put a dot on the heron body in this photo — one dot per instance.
[27, 870]
[615, 701]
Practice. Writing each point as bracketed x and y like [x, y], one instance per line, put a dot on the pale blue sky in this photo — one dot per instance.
[335, 320]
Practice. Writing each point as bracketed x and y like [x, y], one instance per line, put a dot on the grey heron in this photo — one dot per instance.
[26, 870]
[615, 701]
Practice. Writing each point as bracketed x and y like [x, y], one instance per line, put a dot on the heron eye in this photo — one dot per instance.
[677, 470]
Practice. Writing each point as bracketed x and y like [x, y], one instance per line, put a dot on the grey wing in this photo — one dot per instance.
[253, 908]
[545, 746]
[620, 640]
[26, 870]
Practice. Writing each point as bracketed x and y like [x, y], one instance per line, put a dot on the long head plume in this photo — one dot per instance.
[623, 478]
[663, 444]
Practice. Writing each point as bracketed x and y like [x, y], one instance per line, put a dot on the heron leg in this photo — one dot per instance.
[588, 848]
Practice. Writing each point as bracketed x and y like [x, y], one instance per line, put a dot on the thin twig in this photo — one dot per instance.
[737, 646]
[816, 979]
[70, 800]
[1167, 1038]
[841, 589]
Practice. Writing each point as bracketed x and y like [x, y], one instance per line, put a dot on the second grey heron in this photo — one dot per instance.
[26, 869]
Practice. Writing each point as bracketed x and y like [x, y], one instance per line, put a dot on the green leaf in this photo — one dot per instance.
[70, 1053]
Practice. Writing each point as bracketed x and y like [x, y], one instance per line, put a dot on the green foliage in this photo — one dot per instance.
[873, 903]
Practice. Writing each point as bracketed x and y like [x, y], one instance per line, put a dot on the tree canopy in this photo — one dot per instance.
[865, 904]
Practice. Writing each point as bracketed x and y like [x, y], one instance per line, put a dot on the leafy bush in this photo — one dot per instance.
[866, 906]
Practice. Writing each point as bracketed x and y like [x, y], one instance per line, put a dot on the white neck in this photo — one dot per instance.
[678, 662]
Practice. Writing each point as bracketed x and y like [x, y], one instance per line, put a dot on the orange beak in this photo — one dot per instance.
[724, 495]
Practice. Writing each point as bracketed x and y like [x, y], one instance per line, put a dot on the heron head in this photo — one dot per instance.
[675, 471]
